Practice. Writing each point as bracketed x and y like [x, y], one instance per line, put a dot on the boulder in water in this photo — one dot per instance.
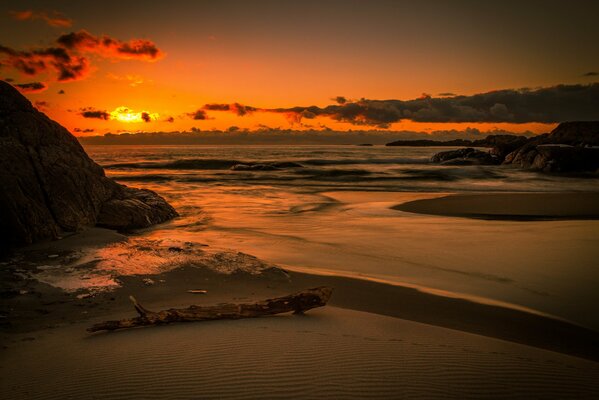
[467, 156]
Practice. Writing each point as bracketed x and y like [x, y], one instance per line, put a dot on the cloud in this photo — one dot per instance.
[592, 73]
[31, 87]
[543, 105]
[56, 19]
[106, 46]
[340, 99]
[236, 108]
[90, 112]
[67, 66]
[199, 115]
[170, 119]
[446, 94]
[87, 130]
[61, 91]
[68, 59]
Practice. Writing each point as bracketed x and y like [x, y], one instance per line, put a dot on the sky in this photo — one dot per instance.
[126, 66]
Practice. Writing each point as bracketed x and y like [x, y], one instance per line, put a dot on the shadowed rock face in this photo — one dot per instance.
[565, 149]
[467, 156]
[572, 147]
[49, 184]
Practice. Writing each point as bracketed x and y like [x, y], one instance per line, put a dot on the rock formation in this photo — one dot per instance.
[572, 147]
[467, 156]
[50, 185]
[568, 148]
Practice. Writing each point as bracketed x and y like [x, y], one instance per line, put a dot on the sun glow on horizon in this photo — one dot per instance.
[125, 114]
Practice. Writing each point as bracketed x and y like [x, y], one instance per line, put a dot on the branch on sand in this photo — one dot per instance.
[296, 303]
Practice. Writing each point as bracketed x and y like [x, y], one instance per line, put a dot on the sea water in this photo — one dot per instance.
[327, 209]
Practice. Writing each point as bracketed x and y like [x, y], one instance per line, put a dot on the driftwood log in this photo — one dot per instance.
[296, 303]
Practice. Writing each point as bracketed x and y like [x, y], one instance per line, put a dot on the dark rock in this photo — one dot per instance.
[565, 149]
[133, 209]
[574, 133]
[556, 158]
[467, 156]
[501, 145]
[49, 184]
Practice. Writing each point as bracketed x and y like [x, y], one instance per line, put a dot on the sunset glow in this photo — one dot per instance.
[70, 61]
[124, 114]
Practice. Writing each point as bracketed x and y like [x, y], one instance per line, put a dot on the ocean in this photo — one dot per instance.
[327, 210]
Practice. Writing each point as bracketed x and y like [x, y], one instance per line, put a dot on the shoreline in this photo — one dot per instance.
[464, 312]
[425, 342]
[45, 307]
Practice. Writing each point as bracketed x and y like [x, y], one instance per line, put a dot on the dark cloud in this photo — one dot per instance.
[68, 67]
[170, 119]
[31, 87]
[90, 112]
[55, 19]
[340, 100]
[545, 105]
[592, 73]
[145, 116]
[84, 41]
[446, 94]
[61, 91]
[9, 80]
[236, 108]
[68, 59]
[87, 130]
[198, 115]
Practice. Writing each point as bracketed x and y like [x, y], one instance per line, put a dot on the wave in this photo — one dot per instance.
[216, 164]
[377, 161]
[207, 163]
[357, 175]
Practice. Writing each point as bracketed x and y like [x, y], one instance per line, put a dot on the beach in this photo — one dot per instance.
[378, 337]
[299, 200]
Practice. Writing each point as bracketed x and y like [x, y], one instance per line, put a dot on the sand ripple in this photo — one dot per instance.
[330, 353]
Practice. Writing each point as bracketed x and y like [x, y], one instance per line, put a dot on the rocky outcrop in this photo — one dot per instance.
[574, 133]
[498, 142]
[568, 148]
[556, 158]
[502, 145]
[133, 209]
[49, 184]
[572, 147]
[467, 156]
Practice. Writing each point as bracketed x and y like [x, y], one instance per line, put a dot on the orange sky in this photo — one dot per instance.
[272, 55]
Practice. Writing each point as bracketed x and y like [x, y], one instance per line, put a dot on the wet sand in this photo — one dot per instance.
[373, 339]
[329, 352]
[510, 206]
